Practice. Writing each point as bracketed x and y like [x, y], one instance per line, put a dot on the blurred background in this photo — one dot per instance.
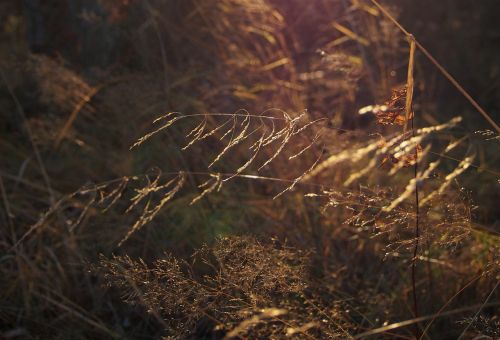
[81, 81]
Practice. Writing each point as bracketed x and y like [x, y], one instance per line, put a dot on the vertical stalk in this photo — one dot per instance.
[408, 109]
[410, 83]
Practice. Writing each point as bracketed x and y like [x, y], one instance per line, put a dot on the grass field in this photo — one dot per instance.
[249, 169]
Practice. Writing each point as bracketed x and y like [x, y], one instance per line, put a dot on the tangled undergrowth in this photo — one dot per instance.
[240, 169]
[238, 287]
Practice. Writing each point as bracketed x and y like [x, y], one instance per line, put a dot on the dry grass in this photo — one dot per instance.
[238, 286]
[295, 188]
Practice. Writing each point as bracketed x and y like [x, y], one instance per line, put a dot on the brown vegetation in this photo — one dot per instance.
[240, 169]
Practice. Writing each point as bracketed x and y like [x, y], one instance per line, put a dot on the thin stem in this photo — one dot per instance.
[441, 310]
[443, 71]
[417, 237]
[479, 311]
[38, 156]
[408, 109]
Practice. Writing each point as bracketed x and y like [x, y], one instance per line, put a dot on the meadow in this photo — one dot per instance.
[249, 169]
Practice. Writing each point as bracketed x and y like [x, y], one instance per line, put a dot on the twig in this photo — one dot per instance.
[433, 60]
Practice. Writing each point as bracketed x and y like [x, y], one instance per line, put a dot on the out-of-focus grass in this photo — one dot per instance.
[197, 57]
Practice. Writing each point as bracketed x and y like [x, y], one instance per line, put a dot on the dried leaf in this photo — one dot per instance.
[393, 111]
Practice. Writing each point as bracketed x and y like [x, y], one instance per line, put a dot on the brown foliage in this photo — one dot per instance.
[237, 287]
